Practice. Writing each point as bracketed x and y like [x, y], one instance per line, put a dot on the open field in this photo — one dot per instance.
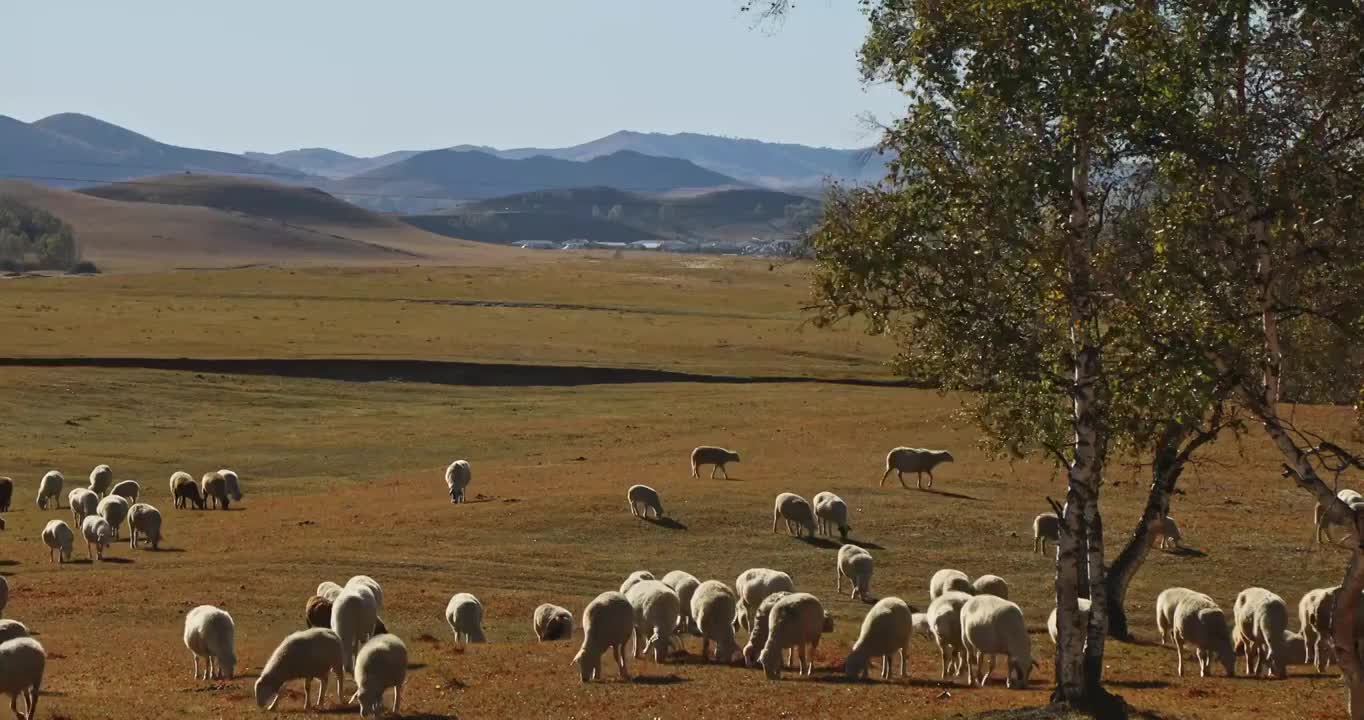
[343, 477]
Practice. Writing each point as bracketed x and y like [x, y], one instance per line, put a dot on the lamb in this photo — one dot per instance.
[552, 622]
[382, 664]
[795, 621]
[353, 618]
[1321, 520]
[210, 633]
[608, 622]
[1198, 620]
[796, 511]
[1052, 629]
[757, 637]
[855, 564]
[642, 499]
[1314, 618]
[753, 586]
[144, 521]
[657, 609]
[457, 479]
[831, 512]
[57, 536]
[635, 577]
[1261, 619]
[916, 460]
[186, 491]
[50, 488]
[100, 479]
[1046, 526]
[993, 626]
[1165, 531]
[464, 613]
[717, 457]
[83, 503]
[22, 661]
[97, 534]
[944, 617]
[307, 654]
[885, 632]
[127, 489]
[1166, 602]
[947, 580]
[991, 585]
[6, 493]
[114, 509]
[214, 490]
[11, 629]
[232, 484]
[712, 605]
[684, 584]
[329, 590]
[317, 612]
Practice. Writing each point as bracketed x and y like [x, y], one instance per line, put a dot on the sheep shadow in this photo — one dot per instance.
[947, 494]
[117, 560]
[8, 563]
[670, 679]
[1183, 551]
[665, 522]
[863, 544]
[1140, 684]
[823, 543]
[415, 666]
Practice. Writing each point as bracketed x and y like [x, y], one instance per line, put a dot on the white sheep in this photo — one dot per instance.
[144, 521]
[382, 664]
[328, 590]
[1046, 526]
[921, 626]
[10, 629]
[57, 536]
[552, 622]
[353, 618]
[367, 582]
[916, 460]
[944, 617]
[1165, 531]
[127, 489]
[635, 577]
[994, 626]
[50, 488]
[83, 503]
[457, 478]
[642, 499]
[717, 457]
[1261, 626]
[210, 633]
[22, 661]
[885, 633]
[101, 478]
[608, 622]
[177, 479]
[98, 535]
[857, 565]
[1054, 631]
[310, 654]
[213, 489]
[1166, 602]
[797, 513]
[232, 484]
[684, 584]
[757, 636]
[464, 613]
[795, 621]
[1321, 520]
[948, 580]
[1314, 619]
[753, 586]
[831, 514]
[713, 605]
[1199, 621]
[114, 508]
[657, 609]
[186, 491]
[991, 585]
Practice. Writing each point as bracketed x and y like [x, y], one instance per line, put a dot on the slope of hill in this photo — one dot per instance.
[329, 163]
[244, 195]
[514, 227]
[70, 150]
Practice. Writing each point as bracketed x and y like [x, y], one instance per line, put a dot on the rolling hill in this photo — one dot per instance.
[248, 196]
[323, 162]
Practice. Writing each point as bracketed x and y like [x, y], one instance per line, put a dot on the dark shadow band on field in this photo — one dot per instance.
[439, 372]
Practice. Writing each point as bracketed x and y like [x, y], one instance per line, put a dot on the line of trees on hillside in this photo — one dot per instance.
[34, 239]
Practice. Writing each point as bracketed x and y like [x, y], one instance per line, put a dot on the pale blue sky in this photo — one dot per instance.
[369, 77]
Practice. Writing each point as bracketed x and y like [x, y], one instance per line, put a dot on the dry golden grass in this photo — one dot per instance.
[345, 477]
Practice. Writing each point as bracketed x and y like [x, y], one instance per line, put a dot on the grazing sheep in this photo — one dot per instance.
[757, 637]
[232, 484]
[1046, 526]
[552, 622]
[50, 488]
[916, 460]
[317, 612]
[1051, 620]
[353, 618]
[684, 584]
[213, 488]
[993, 626]
[1165, 531]
[6, 493]
[753, 586]
[642, 499]
[186, 492]
[464, 613]
[947, 580]
[1261, 619]
[83, 504]
[657, 609]
[178, 478]
[796, 511]
[635, 577]
[101, 478]
[144, 521]
[991, 585]
[717, 457]
[1314, 618]
[944, 617]
[127, 489]
[795, 621]
[457, 479]
[10, 629]
[921, 625]
[4, 594]
[1322, 521]
[382, 664]
[365, 581]
[22, 661]
[98, 534]
[57, 536]
[885, 633]
[1166, 602]
[310, 654]
[855, 564]
[712, 605]
[114, 508]
[210, 633]
[1198, 620]
[608, 622]
[329, 590]
[831, 512]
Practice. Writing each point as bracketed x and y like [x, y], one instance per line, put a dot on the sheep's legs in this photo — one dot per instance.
[942, 650]
[196, 666]
[901, 475]
[1179, 655]
[620, 661]
[713, 468]
[775, 514]
[902, 662]
[988, 673]
[397, 697]
[32, 703]
[307, 692]
[884, 476]
[275, 700]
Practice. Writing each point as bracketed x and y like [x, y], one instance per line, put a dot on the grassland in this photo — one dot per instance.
[344, 477]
